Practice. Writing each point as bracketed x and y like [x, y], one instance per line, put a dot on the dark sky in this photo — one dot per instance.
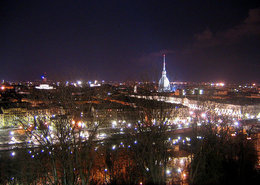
[204, 40]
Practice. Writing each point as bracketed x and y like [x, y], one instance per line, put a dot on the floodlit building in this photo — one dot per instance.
[44, 86]
[164, 84]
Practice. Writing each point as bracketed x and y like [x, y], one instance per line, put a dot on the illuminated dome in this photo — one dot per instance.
[164, 84]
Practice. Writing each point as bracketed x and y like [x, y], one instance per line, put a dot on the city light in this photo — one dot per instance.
[114, 124]
[203, 115]
[79, 124]
[13, 154]
[221, 84]
[79, 83]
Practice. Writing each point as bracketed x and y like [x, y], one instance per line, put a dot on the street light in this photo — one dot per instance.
[105, 175]
[13, 154]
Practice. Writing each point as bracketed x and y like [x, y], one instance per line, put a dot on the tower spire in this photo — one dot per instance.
[164, 83]
[163, 62]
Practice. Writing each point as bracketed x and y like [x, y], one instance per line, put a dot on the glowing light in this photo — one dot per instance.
[13, 154]
[179, 170]
[79, 124]
[114, 124]
[187, 138]
[203, 115]
[79, 82]
[44, 86]
[101, 136]
[220, 84]
[168, 172]
[50, 128]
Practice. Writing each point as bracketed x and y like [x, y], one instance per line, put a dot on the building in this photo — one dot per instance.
[164, 84]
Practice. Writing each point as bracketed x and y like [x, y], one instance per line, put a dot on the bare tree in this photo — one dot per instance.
[222, 157]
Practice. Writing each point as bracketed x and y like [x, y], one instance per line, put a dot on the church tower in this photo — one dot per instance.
[164, 84]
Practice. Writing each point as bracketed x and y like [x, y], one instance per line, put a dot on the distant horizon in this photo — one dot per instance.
[123, 81]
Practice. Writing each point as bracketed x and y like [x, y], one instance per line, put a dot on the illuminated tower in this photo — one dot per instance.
[164, 84]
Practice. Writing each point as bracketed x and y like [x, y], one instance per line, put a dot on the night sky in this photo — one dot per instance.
[204, 40]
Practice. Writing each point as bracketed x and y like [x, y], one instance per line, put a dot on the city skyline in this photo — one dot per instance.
[203, 41]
